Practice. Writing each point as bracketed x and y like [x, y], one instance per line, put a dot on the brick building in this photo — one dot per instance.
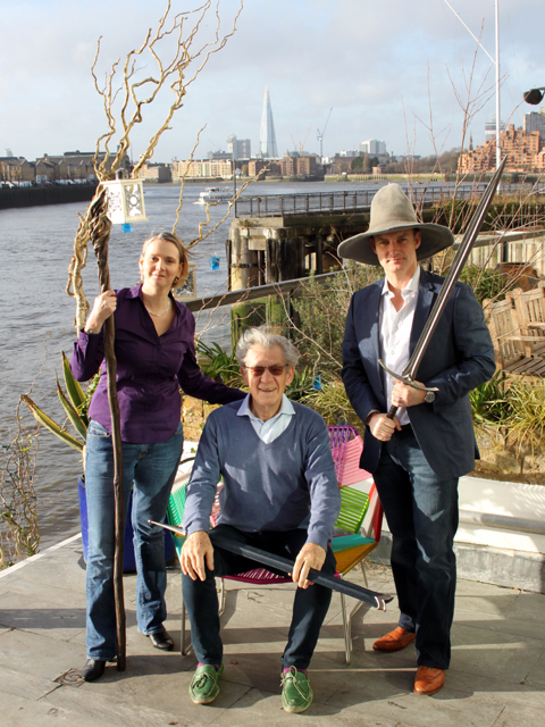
[16, 170]
[300, 166]
[155, 172]
[525, 153]
[256, 165]
[206, 168]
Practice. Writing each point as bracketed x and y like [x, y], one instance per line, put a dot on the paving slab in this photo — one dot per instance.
[497, 678]
[50, 657]
[479, 650]
[536, 675]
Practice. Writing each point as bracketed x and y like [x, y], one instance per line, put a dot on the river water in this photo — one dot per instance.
[36, 314]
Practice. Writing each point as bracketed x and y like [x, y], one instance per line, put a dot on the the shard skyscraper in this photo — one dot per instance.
[267, 137]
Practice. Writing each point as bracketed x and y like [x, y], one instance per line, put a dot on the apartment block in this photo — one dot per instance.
[525, 153]
[207, 168]
[534, 122]
[155, 173]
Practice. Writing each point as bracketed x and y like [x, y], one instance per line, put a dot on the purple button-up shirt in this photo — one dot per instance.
[150, 368]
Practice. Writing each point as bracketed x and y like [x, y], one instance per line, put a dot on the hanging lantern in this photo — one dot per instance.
[125, 201]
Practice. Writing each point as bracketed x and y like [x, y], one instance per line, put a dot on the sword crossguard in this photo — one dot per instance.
[407, 379]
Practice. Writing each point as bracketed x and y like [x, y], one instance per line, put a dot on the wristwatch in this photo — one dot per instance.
[430, 397]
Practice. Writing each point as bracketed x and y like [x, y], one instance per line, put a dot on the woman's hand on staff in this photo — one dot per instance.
[103, 307]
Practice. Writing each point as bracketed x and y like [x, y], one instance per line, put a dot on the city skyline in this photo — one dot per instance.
[313, 55]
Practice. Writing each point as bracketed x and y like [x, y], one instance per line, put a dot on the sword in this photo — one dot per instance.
[409, 372]
[378, 600]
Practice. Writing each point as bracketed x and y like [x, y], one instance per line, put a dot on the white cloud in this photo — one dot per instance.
[371, 61]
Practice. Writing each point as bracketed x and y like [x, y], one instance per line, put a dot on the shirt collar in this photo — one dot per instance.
[245, 411]
[136, 292]
[411, 287]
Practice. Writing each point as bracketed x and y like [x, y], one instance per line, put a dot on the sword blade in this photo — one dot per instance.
[468, 240]
[375, 599]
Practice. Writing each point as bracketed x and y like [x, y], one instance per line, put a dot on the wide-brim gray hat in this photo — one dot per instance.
[392, 210]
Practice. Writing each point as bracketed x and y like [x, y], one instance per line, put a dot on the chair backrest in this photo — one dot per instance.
[346, 448]
[354, 504]
[530, 307]
[372, 523]
[338, 438]
[175, 508]
[504, 325]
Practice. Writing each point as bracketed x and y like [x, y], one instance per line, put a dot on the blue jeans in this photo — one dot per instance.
[309, 607]
[422, 514]
[151, 468]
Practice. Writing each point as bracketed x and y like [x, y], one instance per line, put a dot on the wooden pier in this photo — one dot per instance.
[274, 238]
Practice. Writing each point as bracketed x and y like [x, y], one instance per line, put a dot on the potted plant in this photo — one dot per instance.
[75, 403]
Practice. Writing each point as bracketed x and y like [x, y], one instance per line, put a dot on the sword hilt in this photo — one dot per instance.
[392, 411]
[406, 379]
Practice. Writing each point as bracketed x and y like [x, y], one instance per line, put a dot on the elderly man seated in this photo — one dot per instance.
[280, 494]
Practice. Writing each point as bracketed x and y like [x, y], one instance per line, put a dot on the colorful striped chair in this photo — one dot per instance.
[358, 508]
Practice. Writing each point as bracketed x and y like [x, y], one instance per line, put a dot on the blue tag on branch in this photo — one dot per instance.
[126, 227]
[214, 262]
[317, 383]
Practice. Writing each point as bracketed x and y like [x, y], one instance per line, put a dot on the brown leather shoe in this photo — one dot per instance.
[395, 640]
[428, 680]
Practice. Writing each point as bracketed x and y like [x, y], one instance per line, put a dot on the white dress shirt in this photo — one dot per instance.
[395, 334]
[271, 429]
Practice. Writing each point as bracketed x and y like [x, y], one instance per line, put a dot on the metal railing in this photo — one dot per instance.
[282, 205]
[290, 286]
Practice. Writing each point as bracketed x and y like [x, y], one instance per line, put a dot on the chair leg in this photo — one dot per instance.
[347, 618]
[347, 631]
[222, 598]
[364, 574]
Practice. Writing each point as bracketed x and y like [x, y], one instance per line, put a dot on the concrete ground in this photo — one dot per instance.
[497, 678]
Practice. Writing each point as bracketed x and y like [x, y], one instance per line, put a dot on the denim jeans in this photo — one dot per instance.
[422, 514]
[309, 607]
[151, 468]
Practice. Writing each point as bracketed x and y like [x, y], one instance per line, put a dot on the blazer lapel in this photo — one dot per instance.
[426, 298]
[374, 342]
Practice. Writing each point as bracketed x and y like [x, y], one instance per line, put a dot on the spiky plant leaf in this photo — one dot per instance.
[72, 414]
[40, 416]
[74, 389]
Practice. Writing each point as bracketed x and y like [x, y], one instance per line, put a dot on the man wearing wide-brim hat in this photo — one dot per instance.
[416, 457]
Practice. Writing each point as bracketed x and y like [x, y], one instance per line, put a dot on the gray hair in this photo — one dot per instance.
[265, 337]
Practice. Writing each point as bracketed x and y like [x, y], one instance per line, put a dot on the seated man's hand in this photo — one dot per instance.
[310, 556]
[197, 551]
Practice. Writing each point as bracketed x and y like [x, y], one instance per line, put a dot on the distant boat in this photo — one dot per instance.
[213, 194]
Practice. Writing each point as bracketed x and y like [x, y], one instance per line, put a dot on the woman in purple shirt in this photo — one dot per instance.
[154, 347]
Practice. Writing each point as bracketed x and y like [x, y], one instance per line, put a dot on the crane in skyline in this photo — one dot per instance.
[320, 136]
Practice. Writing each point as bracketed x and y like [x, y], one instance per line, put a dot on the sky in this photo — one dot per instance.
[406, 72]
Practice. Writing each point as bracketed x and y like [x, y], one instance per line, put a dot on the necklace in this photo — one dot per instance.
[158, 315]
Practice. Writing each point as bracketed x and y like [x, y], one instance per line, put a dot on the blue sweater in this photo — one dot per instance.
[286, 484]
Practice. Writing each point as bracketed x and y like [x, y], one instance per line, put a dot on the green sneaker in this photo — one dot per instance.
[296, 691]
[204, 687]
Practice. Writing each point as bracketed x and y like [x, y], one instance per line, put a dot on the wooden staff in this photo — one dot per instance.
[100, 234]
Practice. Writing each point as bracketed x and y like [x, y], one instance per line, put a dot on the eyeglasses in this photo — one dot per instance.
[276, 370]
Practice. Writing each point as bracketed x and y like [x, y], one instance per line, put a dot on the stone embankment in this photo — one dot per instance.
[11, 197]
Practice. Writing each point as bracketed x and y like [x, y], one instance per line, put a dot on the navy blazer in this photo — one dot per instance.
[459, 357]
